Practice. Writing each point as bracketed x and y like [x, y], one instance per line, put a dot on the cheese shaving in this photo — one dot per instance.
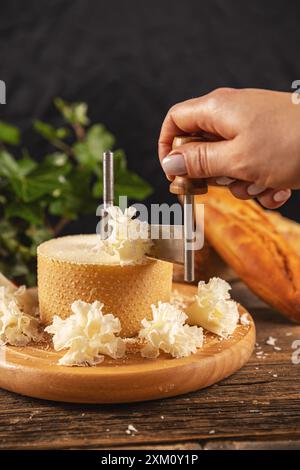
[167, 332]
[213, 308]
[88, 334]
[244, 320]
[129, 238]
[271, 341]
[16, 327]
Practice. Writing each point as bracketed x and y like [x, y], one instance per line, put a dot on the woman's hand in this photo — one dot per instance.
[259, 146]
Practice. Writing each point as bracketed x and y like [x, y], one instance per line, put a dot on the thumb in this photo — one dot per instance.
[200, 160]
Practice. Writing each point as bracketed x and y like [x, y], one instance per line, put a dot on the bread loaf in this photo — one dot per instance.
[247, 239]
[289, 229]
[68, 270]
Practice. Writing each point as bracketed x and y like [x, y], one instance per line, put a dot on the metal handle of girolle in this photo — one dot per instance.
[188, 188]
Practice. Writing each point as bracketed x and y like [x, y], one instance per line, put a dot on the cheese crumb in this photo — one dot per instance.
[16, 327]
[129, 238]
[271, 341]
[167, 332]
[88, 334]
[213, 308]
[131, 428]
[244, 320]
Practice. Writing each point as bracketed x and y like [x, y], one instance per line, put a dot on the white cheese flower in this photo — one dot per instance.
[16, 327]
[167, 332]
[213, 309]
[88, 334]
[129, 238]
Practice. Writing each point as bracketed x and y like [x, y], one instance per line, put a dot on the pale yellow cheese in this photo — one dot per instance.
[114, 271]
[69, 270]
[129, 239]
[16, 327]
[167, 332]
[88, 334]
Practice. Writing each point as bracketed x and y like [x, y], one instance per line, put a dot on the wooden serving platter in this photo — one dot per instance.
[33, 370]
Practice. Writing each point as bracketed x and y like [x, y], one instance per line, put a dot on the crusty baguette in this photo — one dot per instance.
[289, 229]
[245, 237]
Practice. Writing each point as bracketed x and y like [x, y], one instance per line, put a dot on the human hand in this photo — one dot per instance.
[259, 146]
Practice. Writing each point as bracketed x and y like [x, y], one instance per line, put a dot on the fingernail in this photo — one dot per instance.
[282, 195]
[174, 165]
[254, 190]
[224, 181]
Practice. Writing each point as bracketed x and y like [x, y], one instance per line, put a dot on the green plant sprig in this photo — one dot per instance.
[37, 200]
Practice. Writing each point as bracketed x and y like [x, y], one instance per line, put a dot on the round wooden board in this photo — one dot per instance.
[33, 370]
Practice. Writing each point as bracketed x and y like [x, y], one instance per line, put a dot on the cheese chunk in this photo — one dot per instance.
[129, 239]
[114, 270]
[69, 270]
[87, 334]
[168, 332]
[213, 308]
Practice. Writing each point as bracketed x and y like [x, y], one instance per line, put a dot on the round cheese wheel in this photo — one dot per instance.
[70, 268]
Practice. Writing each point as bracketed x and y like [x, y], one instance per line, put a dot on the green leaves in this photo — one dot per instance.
[26, 164]
[15, 170]
[30, 181]
[9, 134]
[44, 180]
[89, 152]
[7, 236]
[38, 235]
[74, 113]
[49, 132]
[78, 200]
[37, 199]
[9, 167]
[57, 159]
[129, 183]
[34, 214]
[132, 185]
[14, 255]
[89, 155]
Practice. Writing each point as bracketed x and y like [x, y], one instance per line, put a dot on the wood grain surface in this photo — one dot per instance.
[257, 407]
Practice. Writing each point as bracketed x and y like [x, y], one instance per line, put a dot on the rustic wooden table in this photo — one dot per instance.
[258, 407]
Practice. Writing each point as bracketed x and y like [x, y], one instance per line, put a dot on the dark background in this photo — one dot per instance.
[131, 60]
